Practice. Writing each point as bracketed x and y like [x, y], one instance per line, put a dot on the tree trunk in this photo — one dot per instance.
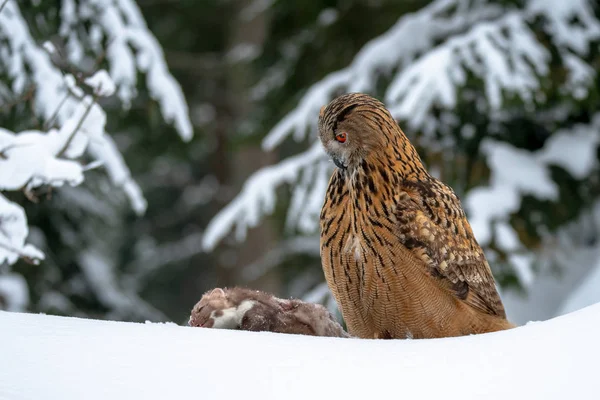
[246, 33]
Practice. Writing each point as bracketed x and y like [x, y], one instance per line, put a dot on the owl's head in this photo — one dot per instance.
[350, 128]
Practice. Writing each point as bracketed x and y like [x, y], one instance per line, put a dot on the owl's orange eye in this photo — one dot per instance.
[341, 137]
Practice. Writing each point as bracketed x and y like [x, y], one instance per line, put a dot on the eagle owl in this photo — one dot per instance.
[397, 250]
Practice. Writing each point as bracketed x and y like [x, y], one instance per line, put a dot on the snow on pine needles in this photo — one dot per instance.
[74, 124]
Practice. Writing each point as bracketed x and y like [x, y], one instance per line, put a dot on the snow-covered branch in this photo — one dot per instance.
[258, 196]
[503, 53]
[516, 173]
[496, 47]
[390, 51]
[13, 233]
[131, 47]
[36, 157]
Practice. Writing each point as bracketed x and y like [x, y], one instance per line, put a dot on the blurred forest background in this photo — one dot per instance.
[500, 97]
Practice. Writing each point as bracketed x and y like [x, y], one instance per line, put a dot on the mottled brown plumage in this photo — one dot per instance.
[397, 250]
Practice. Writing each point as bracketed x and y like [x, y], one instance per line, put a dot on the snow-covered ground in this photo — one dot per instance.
[48, 357]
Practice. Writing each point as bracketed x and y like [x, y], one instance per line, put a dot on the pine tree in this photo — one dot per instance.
[63, 65]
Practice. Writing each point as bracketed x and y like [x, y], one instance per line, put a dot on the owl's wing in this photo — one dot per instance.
[432, 224]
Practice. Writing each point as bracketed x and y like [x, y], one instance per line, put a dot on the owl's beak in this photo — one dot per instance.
[338, 163]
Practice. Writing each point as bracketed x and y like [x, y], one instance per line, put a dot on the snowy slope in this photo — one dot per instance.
[47, 357]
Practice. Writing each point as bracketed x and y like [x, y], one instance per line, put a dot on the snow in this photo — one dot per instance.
[435, 77]
[75, 122]
[548, 292]
[32, 158]
[243, 53]
[69, 358]
[14, 293]
[564, 260]
[308, 110]
[516, 172]
[105, 149]
[575, 149]
[519, 169]
[257, 197]
[522, 264]
[587, 292]
[328, 16]
[506, 237]
[486, 204]
[49, 47]
[13, 232]
[561, 14]
[580, 78]
[101, 83]
[307, 198]
[382, 53]
[122, 23]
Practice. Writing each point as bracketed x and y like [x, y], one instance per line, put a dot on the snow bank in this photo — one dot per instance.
[68, 358]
